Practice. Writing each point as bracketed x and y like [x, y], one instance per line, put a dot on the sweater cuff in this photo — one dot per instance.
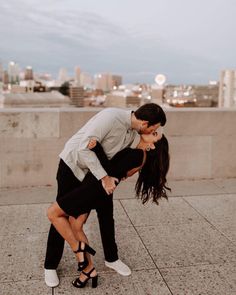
[100, 173]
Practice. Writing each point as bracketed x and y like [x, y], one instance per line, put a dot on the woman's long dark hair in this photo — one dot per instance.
[151, 183]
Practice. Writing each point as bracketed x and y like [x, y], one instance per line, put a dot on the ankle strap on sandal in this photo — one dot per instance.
[88, 273]
[80, 248]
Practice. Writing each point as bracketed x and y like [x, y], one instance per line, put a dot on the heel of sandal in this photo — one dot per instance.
[89, 250]
[95, 281]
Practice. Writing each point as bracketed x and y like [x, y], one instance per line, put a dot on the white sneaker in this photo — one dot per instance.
[51, 277]
[119, 267]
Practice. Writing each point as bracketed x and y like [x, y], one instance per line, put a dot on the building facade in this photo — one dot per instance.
[227, 88]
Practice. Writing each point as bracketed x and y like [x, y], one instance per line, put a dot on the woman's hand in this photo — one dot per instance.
[92, 143]
[109, 184]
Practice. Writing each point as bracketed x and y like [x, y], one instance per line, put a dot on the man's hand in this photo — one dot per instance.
[109, 184]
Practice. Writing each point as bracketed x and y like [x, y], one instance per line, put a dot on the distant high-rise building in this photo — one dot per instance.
[13, 72]
[86, 80]
[122, 99]
[227, 88]
[157, 93]
[101, 82]
[116, 80]
[77, 76]
[63, 75]
[1, 72]
[106, 81]
[29, 73]
[77, 96]
[5, 78]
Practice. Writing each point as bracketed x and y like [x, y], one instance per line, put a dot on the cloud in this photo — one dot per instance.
[51, 36]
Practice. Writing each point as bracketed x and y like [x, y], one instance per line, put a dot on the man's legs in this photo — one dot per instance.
[107, 230]
[55, 247]
[66, 182]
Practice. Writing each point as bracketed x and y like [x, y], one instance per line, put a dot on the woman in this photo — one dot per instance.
[150, 158]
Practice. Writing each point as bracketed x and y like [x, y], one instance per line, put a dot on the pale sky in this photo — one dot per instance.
[187, 40]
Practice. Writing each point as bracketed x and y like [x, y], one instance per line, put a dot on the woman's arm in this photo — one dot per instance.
[124, 164]
[97, 148]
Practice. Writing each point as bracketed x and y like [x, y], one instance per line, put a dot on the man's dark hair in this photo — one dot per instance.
[152, 113]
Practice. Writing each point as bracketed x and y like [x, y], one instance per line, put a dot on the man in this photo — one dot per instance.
[115, 129]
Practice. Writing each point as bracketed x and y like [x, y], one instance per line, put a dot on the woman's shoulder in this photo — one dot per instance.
[127, 159]
[138, 155]
[132, 151]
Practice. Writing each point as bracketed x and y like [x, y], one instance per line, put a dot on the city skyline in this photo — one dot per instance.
[188, 42]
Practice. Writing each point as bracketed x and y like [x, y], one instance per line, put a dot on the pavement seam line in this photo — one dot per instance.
[208, 221]
[176, 196]
[147, 249]
[196, 265]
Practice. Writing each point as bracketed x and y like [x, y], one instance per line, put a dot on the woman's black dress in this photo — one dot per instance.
[91, 194]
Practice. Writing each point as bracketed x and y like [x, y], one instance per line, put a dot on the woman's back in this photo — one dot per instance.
[91, 194]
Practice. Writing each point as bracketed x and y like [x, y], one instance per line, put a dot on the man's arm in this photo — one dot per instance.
[98, 129]
[108, 183]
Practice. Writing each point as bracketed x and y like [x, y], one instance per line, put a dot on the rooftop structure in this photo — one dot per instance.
[227, 92]
[202, 142]
[183, 246]
[34, 99]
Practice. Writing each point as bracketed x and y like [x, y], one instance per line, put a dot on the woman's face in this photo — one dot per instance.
[151, 138]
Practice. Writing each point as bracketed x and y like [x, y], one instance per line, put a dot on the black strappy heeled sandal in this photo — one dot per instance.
[83, 264]
[79, 284]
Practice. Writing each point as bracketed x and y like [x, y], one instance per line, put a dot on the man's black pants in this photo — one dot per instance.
[67, 182]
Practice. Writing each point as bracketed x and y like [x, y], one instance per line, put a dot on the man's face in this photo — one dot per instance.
[147, 130]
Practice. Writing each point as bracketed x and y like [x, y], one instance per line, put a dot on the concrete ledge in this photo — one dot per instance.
[202, 142]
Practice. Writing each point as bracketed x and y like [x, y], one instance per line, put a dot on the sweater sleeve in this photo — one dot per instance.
[99, 127]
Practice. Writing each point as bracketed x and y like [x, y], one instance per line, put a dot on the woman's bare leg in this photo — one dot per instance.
[77, 227]
[61, 222]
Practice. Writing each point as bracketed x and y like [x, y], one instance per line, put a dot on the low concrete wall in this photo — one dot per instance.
[202, 143]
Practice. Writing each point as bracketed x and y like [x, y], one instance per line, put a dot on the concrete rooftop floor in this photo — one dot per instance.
[186, 246]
